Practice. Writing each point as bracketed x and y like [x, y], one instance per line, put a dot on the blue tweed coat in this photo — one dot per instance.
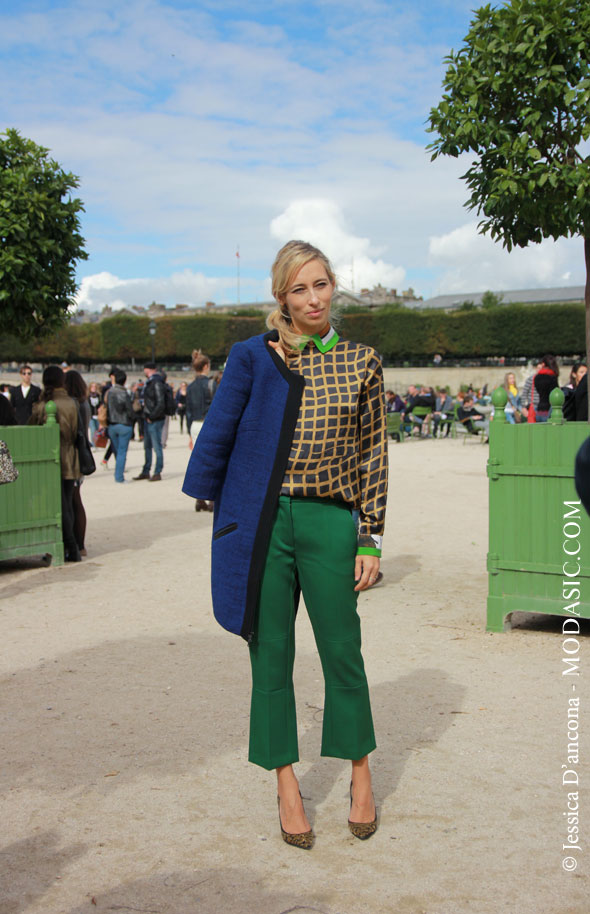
[238, 462]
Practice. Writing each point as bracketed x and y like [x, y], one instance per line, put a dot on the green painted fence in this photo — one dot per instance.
[30, 508]
[539, 536]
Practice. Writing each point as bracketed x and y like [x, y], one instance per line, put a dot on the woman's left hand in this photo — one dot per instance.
[366, 569]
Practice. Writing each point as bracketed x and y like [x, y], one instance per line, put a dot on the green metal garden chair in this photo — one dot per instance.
[419, 413]
[449, 422]
[395, 426]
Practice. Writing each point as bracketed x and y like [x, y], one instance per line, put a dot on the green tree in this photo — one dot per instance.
[490, 299]
[517, 96]
[40, 240]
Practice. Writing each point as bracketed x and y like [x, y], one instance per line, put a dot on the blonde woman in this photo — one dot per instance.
[512, 410]
[295, 439]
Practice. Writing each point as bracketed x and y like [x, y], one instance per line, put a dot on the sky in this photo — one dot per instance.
[198, 129]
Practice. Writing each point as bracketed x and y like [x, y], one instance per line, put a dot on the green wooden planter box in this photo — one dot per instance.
[539, 535]
[30, 508]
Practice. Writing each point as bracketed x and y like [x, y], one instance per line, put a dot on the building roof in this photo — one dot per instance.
[520, 296]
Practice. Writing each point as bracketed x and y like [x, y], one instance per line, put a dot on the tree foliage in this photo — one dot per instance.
[517, 94]
[40, 241]
[490, 299]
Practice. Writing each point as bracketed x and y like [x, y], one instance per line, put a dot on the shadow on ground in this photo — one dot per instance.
[541, 622]
[113, 534]
[104, 537]
[398, 567]
[409, 714]
[207, 891]
[28, 868]
[166, 707]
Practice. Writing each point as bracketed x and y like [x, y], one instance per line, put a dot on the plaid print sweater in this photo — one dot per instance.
[339, 448]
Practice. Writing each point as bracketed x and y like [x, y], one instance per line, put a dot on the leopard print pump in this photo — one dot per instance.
[362, 830]
[304, 840]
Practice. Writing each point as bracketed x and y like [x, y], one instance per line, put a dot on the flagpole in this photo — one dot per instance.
[238, 271]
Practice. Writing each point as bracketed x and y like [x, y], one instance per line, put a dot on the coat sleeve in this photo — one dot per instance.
[208, 462]
[160, 393]
[372, 460]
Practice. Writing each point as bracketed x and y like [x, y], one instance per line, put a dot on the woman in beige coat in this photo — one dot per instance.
[67, 419]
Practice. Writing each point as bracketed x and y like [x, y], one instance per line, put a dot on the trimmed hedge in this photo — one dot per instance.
[509, 330]
[398, 334]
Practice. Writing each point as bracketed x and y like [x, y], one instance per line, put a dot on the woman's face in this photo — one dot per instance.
[580, 373]
[308, 298]
[512, 379]
[92, 388]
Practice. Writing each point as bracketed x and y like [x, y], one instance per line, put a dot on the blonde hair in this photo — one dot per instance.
[288, 262]
[506, 384]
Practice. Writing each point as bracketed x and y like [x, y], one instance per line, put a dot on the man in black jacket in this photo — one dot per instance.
[23, 396]
[154, 411]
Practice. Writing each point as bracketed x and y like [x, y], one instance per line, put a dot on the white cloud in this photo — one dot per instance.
[182, 123]
[192, 125]
[184, 287]
[473, 262]
[317, 220]
[321, 222]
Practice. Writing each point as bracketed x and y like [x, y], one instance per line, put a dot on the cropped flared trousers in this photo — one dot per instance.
[313, 547]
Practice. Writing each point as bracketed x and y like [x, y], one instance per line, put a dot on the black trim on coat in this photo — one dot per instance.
[261, 540]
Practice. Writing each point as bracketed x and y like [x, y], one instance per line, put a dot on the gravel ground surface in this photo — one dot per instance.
[123, 741]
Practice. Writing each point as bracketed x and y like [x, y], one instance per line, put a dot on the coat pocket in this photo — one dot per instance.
[223, 530]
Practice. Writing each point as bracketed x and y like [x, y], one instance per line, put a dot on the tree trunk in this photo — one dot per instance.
[587, 301]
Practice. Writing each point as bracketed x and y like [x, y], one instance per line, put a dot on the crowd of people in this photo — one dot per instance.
[116, 412]
[109, 415]
[431, 412]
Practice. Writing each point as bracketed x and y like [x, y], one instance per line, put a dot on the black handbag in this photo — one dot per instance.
[85, 456]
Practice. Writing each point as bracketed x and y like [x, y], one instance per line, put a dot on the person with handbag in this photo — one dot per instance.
[76, 386]
[67, 419]
[513, 408]
[294, 440]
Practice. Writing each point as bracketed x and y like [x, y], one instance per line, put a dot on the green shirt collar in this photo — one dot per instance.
[323, 343]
